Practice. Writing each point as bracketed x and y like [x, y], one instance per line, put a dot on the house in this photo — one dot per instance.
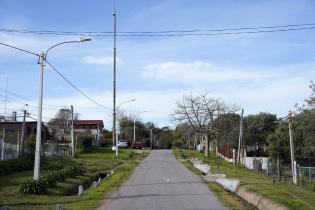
[95, 127]
[13, 130]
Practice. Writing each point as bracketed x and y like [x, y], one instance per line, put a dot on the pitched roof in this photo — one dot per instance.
[87, 122]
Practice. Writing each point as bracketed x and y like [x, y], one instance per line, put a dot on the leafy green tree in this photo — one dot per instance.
[278, 143]
[227, 129]
[304, 135]
[257, 128]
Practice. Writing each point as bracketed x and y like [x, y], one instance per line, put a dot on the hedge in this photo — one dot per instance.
[40, 186]
[15, 165]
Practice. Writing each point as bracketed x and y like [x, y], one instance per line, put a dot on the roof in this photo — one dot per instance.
[87, 122]
[16, 122]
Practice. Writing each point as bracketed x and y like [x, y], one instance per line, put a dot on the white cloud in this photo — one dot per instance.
[105, 60]
[200, 72]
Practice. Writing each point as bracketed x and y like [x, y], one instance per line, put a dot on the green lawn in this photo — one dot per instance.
[100, 159]
[287, 194]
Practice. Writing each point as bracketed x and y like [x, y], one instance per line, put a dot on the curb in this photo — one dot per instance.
[252, 198]
[258, 200]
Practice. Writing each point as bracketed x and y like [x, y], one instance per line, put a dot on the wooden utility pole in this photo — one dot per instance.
[2, 150]
[151, 140]
[23, 133]
[18, 148]
[72, 133]
[240, 139]
[292, 149]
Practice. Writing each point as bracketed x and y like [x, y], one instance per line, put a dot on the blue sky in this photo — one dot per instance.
[266, 72]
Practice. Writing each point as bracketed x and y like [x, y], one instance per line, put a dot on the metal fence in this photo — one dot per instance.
[307, 172]
[8, 151]
[11, 151]
[283, 171]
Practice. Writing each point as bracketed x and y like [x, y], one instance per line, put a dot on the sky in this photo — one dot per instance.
[264, 72]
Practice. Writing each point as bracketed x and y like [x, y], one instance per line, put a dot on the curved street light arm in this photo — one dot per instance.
[81, 40]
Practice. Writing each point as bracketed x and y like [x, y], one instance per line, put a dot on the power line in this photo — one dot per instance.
[76, 88]
[170, 33]
[14, 94]
[29, 52]
[9, 109]
[12, 99]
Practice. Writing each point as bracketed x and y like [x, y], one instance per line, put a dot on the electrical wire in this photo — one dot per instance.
[9, 109]
[12, 99]
[173, 33]
[14, 94]
[29, 52]
[75, 87]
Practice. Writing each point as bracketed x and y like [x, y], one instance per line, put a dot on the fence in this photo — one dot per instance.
[8, 151]
[284, 171]
[11, 151]
[306, 171]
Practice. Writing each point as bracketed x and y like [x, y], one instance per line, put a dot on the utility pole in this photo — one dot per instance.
[23, 133]
[72, 133]
[2, 150]
[18, 145]
[114, 81]
[292, 149]
[39, 120]
[134, 129]
[151, 140]
[117, 133]
[240, 139]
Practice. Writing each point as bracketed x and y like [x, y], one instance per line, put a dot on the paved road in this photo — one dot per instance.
[162, 182]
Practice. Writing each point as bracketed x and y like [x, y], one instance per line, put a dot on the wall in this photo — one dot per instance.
[248, 162]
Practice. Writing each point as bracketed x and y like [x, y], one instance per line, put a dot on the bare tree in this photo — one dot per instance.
[200, 112]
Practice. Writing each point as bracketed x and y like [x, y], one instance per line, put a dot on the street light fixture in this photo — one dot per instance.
[41, 62]
[117, 124]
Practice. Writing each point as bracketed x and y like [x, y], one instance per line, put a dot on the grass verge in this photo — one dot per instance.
[100, 159]
[292, 196]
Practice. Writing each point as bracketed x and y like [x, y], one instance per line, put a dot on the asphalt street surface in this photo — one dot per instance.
[162, 182]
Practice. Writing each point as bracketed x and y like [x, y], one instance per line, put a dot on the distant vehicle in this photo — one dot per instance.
[122, 143]
[137, 145]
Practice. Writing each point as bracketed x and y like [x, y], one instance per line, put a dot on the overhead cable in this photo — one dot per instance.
[75, 87]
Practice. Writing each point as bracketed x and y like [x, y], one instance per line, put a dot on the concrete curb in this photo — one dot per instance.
[258, 200]
[253, 198]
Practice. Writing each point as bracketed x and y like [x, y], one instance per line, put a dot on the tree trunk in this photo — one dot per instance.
[207, 144]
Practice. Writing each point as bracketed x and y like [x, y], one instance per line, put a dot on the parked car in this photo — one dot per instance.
[122, 143]
[137, 145]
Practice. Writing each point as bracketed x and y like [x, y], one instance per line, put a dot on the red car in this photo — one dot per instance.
[137, 145]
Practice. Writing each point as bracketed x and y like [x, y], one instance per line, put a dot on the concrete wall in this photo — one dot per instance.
[248, 162]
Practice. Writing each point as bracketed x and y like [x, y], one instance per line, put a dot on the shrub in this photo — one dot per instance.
[306, 183]
[15, 165]
[56, 163]
[87, 143]
[38, 187]
[51, 179]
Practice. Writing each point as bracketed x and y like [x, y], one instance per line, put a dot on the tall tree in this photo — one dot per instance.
[200, 111]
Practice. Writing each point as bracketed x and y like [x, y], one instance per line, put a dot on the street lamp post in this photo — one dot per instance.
[117, 124]
[134, 125]
[42, 58]
[41, 62]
